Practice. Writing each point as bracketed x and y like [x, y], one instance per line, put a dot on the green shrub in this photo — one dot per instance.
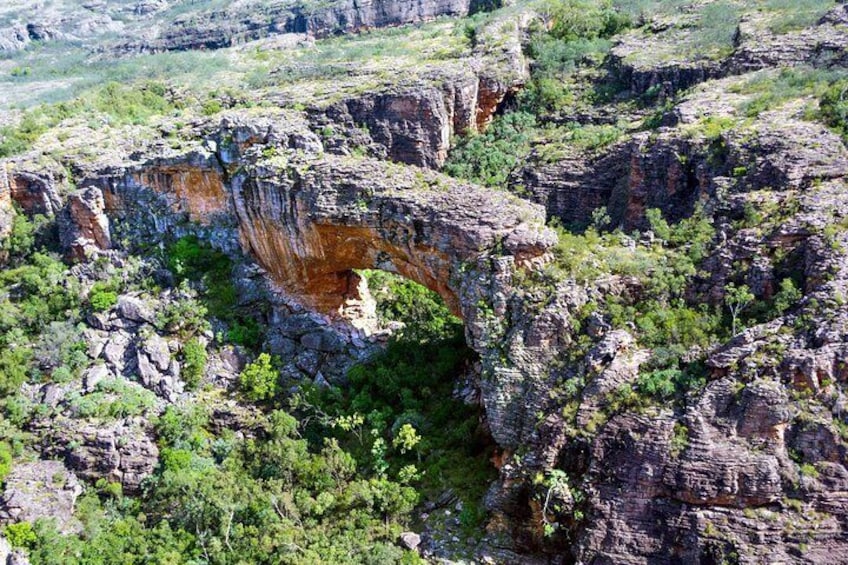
[15, 361]
[194, 364]
[717, 26]
[21, 241]
[39, 292]
[245, 331]
[5, 460]
[20, 535]
[423, 312]
[211, 107]
[659, 384]
[770, 90]
[795, 14]
[192, 260]
[19, 138]
[583, 19]
[259, 379]
[61, 345]
[120, 104]
[679, 439]
[109, 488]
[403, 397]
[113, 399]
[490, 157]
[809, 470]
[786, 296]
[834, 107]
[183, 427]
[554, 60]
[102, 296]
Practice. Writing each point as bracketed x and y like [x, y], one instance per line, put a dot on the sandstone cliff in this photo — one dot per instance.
[748, 464]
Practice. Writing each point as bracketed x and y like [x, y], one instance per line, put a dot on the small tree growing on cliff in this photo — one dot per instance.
[737, 299]
[259, 379]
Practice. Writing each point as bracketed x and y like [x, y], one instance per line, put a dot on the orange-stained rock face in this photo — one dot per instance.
[197, 191]
[34, 192]
[5, 189]
[317, 265]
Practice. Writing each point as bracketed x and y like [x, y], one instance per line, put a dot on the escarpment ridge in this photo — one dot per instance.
[640, 228]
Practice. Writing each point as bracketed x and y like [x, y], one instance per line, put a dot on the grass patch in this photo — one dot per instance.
[790, 15]
[770, 90]
[116, 103]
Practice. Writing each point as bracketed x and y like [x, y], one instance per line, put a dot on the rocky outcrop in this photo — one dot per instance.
[660, 79]
[36, 23]
[247, 21]
[158, 370]
[36, 190]
[688, 502]
[121, 451]
[415, 121]
[667, 171]
[675, 168]
[41, 489]
[83, 225]
[7, 215]
[822, 45]
[309, 219]
[14, 38]
[679, 62]
[9, 556]
[414, 126]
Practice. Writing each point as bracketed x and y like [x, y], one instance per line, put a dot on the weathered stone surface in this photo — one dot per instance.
[83, 225]
[666, 171]
[410, 540]
[246, 21]
[678, 63]
[157, 370]
[134, 309]
[121, 451]
[414, 126]
[310, 229]
[41, 489]
[36, 191]
[8, 556]
[822, 45]
[615, 362]
[94, 375]
[34, 22]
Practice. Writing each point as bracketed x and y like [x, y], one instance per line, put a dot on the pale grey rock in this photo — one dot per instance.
[41, 489]
[135, 309]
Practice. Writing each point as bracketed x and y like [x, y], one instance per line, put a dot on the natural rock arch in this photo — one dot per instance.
[309, 219]
[311, 226]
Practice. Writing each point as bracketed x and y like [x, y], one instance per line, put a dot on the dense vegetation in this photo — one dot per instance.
[333, 474]
[333, 478]
[211, 271]
[39, 310]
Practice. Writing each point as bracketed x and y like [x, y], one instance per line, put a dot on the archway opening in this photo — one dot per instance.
[424, 380]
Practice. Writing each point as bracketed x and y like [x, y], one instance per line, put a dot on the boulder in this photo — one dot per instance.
[135, 309]
[83, 224]
[41, 489]
[410, 540]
